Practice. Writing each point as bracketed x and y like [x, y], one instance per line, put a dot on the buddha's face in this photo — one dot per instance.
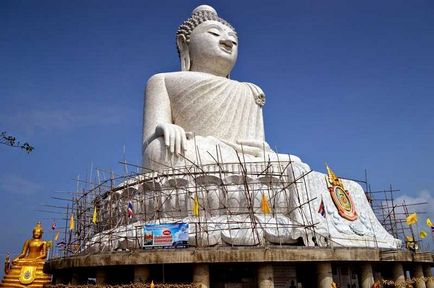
[37, 233]
[213, 48]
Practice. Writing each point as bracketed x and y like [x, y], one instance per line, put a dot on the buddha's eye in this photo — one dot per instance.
[214, 32]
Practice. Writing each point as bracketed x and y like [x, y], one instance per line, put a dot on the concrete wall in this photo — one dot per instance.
[228, 254]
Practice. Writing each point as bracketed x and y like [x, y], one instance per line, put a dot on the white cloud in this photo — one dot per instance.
[425, 197]
[15, 184]
[423, 205]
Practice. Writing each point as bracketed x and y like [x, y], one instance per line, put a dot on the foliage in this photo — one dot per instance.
[11, 141]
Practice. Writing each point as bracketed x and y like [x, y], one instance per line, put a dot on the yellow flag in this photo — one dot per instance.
[196, 206]
[71, 223]
[411, 219]
[422, 234]
[264, 204]
[428, 222]
[152, 284]
[94, 215]
[409, 242]
[57, 236]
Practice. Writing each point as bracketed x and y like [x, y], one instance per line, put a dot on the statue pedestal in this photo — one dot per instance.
[242, 204]
[26, 276]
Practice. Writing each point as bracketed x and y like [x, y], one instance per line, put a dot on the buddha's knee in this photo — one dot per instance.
[157, 156]
[297, 162]
[154, 154]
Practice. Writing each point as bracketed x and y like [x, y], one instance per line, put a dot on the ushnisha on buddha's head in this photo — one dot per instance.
[207, 43]
[38, 231]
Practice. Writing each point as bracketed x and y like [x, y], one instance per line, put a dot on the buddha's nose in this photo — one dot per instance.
[227, 43]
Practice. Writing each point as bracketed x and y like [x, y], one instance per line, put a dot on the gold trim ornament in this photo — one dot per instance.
[341, 197]
[27, 274]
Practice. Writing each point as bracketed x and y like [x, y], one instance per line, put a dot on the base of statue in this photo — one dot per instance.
[28, 275]
[244, 205]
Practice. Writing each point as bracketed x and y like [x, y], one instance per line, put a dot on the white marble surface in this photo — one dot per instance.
[199, 117]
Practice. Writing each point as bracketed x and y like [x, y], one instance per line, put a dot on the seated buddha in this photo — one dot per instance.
[199, 115]
[34, 250]
[27, 267]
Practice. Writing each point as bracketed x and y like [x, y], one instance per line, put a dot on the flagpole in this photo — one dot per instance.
[327, 222]
[328, 227]
[66, 228]
[432, 237]
[419, 239]
[431, 227]
[52, 244]
[127, 216]
[128, 206]
[68, 246]
[410, 225]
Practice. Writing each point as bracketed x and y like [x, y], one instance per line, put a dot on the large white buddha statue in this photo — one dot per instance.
[199, 115]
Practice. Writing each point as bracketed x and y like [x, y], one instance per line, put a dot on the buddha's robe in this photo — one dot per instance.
[223, 117]
[228, 110]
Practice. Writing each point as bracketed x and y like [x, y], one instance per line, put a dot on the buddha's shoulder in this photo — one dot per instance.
[188, 77]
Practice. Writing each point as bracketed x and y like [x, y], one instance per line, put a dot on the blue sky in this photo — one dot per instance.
[350, 83]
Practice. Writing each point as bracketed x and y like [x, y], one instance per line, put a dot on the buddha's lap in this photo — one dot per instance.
[210, 150]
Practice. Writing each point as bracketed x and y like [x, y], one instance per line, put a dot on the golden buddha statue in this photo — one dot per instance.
[27, 267]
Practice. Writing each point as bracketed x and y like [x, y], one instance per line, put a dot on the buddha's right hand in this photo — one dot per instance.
[174, 137]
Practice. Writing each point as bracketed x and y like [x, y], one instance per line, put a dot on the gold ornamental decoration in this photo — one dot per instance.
[341, 197]
[27, 274]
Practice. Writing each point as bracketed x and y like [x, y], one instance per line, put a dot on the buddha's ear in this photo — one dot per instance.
[184, 54]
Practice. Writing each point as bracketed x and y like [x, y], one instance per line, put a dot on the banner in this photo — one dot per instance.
[71, 223]
[170, 235]
[94, 216]
[196, 206]
[265, 207]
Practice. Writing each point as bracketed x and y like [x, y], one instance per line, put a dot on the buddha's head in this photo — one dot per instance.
[37, 231]
[207, 43]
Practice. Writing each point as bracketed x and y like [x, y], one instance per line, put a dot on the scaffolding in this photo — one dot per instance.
[393, 216]
[97, 218]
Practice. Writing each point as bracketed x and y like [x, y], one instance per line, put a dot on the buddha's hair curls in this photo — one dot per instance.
[200, 14]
